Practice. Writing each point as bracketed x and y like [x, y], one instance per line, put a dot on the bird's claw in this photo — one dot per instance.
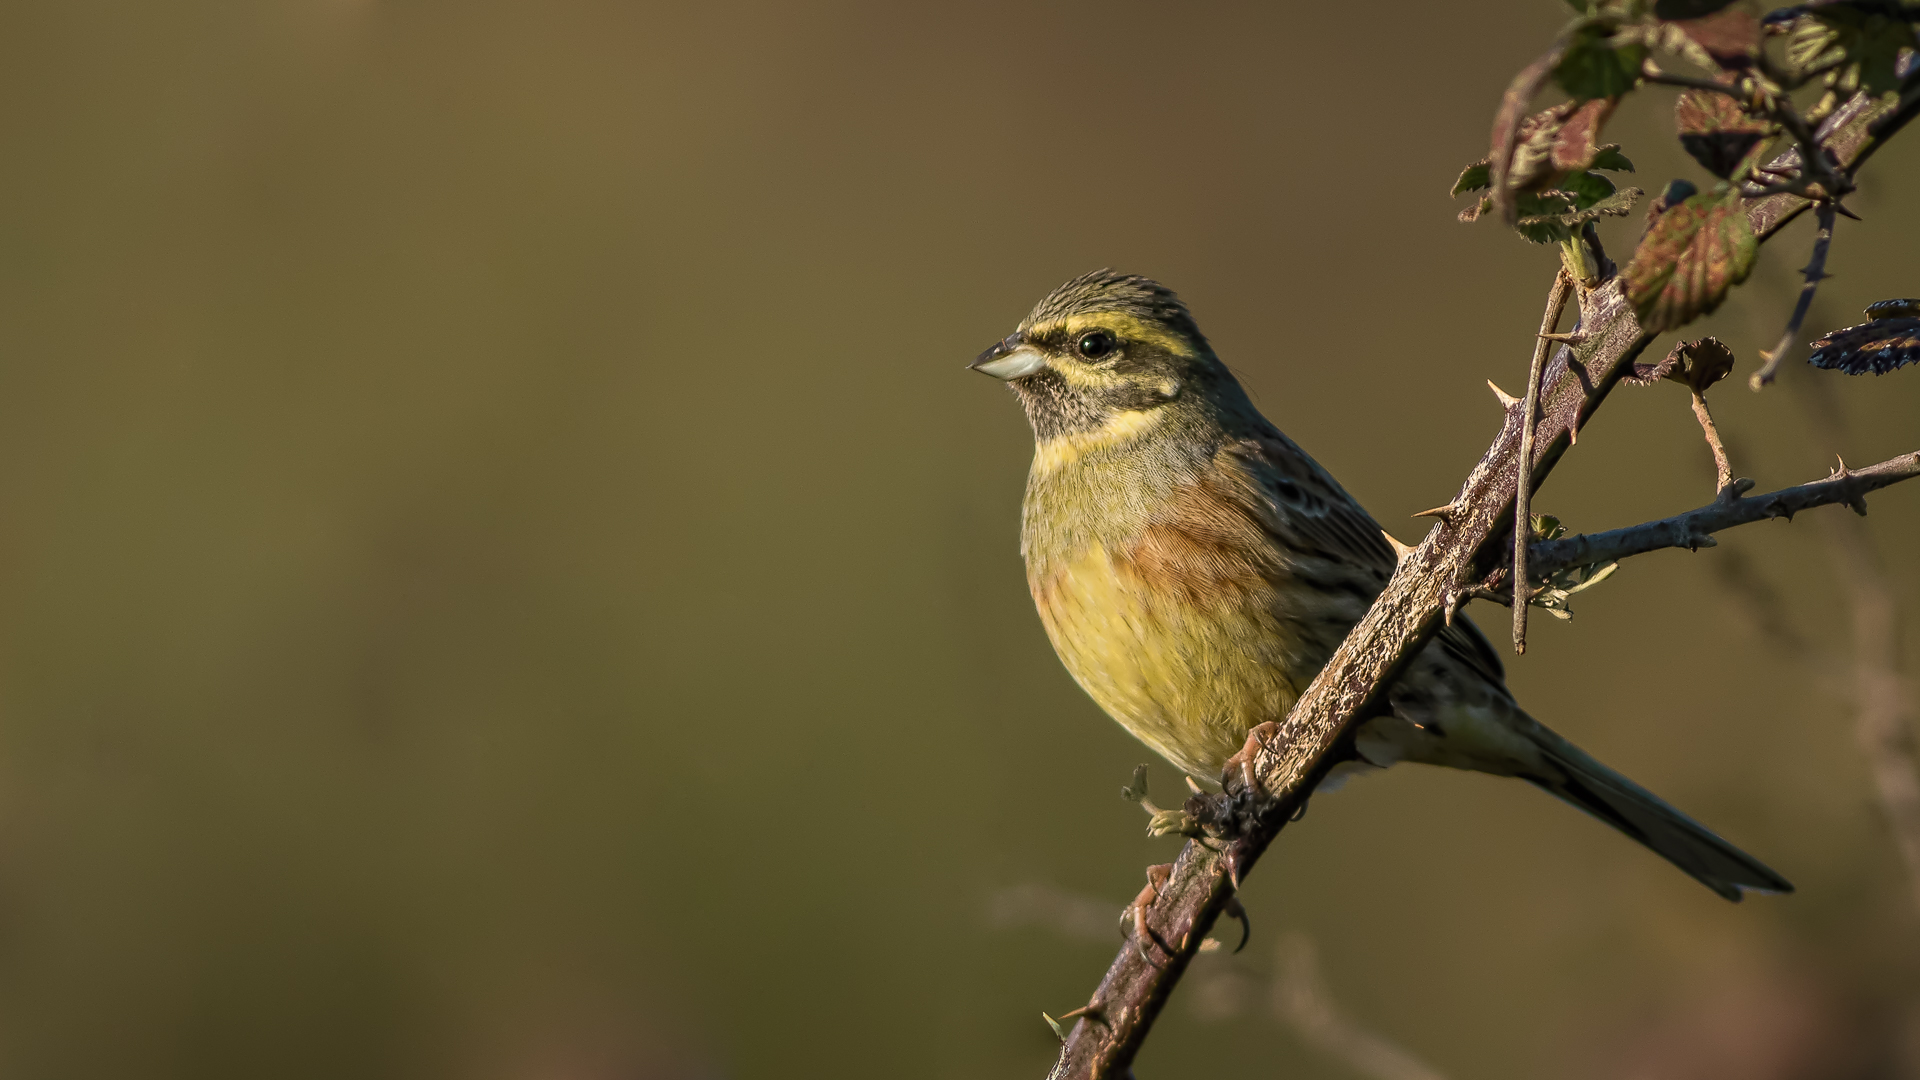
[1174, 823]
[1136, 912]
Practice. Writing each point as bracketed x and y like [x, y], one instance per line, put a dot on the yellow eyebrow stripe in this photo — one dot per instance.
[1063, 450]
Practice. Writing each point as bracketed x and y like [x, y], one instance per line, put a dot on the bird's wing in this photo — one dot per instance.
[1311, 512]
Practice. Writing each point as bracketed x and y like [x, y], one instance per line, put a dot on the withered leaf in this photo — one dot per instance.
[1879, 346]
[1693, 364]
[1689, 258]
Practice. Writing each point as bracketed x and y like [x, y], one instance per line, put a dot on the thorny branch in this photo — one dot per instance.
[1815, 273]
[1695, 528]
[1430, 584]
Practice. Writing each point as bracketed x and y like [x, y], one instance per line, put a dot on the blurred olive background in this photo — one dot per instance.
[503, 573]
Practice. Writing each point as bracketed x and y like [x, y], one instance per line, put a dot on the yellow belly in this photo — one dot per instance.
[1188, 675]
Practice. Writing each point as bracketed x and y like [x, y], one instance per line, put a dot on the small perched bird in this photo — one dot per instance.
[1195, 570]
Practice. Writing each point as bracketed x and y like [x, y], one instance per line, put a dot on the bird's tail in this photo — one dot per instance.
[1573, 775]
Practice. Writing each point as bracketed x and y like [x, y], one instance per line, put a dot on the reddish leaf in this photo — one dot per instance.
[1716, 130]
[1688, 260]
[1731, 36]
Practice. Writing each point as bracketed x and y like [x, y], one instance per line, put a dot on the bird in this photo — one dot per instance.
[1195, 569]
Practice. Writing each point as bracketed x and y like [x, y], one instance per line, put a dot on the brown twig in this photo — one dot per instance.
[1429, 584]
[1722, 471]
[1530, 413]
[1815, 272]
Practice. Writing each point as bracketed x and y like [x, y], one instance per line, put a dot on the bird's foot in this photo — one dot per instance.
[1135, 916]
[1185, 821]
[1245, 799]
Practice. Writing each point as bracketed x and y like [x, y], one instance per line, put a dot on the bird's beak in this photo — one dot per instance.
[1010, 360]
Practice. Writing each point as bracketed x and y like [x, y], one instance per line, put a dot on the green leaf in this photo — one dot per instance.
[1587, 188]
[1474, 177]
[1612, 159]
[1690, 257]
[1553, 216]
[1591, 68]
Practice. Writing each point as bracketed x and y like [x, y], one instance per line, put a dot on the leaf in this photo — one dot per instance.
[1861, 31]
[1612, 159]
[1887, 309]
[1693, 364]
[1592, 68]
[1553, 216]
[1562, 585]
[1716, 130]
[1587, 188]
[1474, 177]
[1879, 346]
[1677, 192]
[1550, 149]
[1731, 37]
[1689, 258]
[1576, 143]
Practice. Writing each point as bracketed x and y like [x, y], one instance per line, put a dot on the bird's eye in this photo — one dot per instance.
[1095, 344]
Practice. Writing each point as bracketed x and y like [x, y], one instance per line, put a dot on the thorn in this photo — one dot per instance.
[1444, 513]
[1846, 213]
[1400, 550]
[1194, 786]
[1058, 1031]
[1235, 909]
[1507, 401]
[1084, 1010]
[1840, 472]
[1450, 602]
[1574, 338]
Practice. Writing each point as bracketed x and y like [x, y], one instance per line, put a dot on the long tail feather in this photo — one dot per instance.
[1575, 776]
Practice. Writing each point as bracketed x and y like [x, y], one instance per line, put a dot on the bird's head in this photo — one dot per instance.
[1103, 353]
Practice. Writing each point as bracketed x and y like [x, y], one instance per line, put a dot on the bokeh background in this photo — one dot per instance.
[503, 573]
